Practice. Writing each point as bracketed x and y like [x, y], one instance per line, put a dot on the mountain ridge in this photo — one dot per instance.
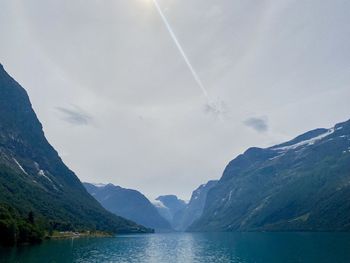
[299, 185]
[169, 206]
[33, 178]
[128, 203]
[194, 209]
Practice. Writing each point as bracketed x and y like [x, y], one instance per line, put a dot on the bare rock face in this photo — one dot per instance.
[194, 208]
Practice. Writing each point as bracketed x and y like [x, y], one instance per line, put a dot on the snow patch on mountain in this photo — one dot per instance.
[42, 173]
[20, 166]
[99, 185]
[159, 204]
[306, 142]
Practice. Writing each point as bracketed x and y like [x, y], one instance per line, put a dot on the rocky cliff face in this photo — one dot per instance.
[194, 209]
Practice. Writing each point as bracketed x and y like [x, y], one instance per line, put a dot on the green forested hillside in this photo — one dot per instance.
[301, 185]
[33, 177]
[15, 228]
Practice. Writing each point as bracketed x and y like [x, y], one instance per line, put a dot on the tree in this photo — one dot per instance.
[31, 217]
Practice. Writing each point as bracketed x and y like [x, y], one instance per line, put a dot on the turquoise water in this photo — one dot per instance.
[185, 247]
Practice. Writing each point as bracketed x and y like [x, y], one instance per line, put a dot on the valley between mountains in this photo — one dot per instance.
[299, 185]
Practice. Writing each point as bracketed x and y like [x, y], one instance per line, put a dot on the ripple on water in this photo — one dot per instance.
[186, 247]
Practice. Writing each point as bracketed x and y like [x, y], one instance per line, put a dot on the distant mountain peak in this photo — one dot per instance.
[99, 184]
[194, 208]
[169, 198]
[128, 203]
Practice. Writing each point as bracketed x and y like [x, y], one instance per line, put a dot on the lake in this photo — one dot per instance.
[188, 247]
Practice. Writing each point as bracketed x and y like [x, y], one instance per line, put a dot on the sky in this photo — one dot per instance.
[119, 103]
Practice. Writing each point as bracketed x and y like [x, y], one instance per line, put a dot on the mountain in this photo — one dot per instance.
[168, 206]
[300, 185]
[194, 209]
[33, 178]
[128, 203]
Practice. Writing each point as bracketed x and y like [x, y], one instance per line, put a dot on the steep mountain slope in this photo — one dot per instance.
[168, 206]
[130, 204]
[33, 176]
[303, 184]
[194, 209]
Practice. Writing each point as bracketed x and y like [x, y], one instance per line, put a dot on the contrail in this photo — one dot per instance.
[188, 62]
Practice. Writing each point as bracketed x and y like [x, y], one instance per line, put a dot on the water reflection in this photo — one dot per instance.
[186, 247]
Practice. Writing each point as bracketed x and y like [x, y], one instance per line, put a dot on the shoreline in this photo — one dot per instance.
[71, 234]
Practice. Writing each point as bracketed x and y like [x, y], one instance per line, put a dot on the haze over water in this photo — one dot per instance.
[187, 247]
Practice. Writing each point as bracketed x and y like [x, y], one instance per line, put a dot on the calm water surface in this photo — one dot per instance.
[184, 247]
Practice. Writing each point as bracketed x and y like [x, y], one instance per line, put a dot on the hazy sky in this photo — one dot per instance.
[118, 102]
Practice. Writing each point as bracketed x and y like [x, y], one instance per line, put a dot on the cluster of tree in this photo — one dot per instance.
[16, 229]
